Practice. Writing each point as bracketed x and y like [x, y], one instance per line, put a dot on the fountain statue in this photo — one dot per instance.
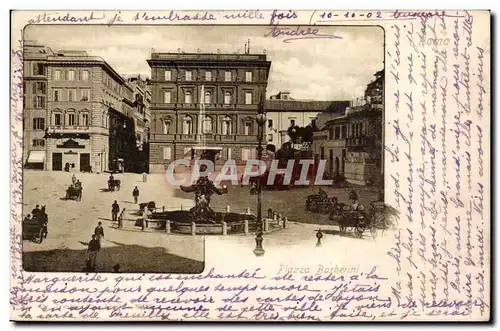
[204, 188]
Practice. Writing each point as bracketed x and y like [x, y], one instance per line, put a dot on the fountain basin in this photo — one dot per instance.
[180, 222]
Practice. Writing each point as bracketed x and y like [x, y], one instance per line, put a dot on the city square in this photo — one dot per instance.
[96, 128]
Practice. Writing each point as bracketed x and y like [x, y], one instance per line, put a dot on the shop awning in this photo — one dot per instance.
[36, 157]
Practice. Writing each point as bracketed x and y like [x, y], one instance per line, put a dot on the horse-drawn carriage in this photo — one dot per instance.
[36, 228]
[74, 192]
[321, 203]
[114, 184]
[151, 205]
[359, 219]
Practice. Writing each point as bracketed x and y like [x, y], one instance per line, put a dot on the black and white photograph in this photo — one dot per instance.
[142, 141]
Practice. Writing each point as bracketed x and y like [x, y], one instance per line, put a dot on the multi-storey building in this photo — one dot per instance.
[206, 102]
[142, 118]
[284, 112]
[352, 144]
[35, 104]
[86, 122]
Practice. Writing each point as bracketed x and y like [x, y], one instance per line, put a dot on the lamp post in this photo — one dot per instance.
[261, 121]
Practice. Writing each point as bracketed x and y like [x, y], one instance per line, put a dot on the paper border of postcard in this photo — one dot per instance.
[432, 265]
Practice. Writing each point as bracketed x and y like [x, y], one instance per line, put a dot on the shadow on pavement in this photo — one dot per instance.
[132, 259]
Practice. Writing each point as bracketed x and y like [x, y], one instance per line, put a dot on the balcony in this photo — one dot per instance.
[68, 129]
[360, 141]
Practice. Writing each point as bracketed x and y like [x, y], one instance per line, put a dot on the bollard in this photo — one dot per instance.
[228, 209]
[275, 215]
[193, 228]
[246, 227]
[167, 226]
[224, 228]
[144, 217]
[248, 210]
[266, 224]
[285, 221]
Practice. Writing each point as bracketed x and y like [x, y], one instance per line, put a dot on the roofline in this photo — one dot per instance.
[89, 59]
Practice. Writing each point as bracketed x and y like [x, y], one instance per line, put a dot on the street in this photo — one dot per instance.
[72, 223]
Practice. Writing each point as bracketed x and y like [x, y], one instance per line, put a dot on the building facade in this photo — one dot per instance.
[352, 144]
[83, 94]
[142, 119]
[284, 112]
[35, 103]
[206, 102]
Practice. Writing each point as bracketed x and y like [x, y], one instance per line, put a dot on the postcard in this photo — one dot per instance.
[253, 165]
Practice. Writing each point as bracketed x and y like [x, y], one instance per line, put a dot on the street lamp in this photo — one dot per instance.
[261, 121]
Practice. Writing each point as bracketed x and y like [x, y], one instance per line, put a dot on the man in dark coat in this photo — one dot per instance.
[135, 194]
[99, 231]
[115, 209]
[94, 247]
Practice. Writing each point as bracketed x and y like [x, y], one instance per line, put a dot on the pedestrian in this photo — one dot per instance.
[116, 269]
[94, 248]
[144, 217]
[144, 177]
[115, 209]
[135, 194]
[45, 218]
[99, 231]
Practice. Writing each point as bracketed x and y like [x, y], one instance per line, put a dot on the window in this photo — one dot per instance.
[207, 124]
[270, 137]
[322, 155]
[39, 102]
[71, 75]
[248, 128]
[248, 98]
[313, 122]
[187, 125]
[248, 76]
[227, 76]
[292, 122]
[38, 143]
[188, 97]
[227, 126]
[227, 98]
[168, 75]
[189, 76]
[270, 124]
[245, 154]
[227, 153]
[71, 95]
[167, 153]
[85, 120]
[71, 119]
[167, 95]
[40, 87]
[85, 75]
[344, 131]
[85, 95]
[57, 95]
[166, 127]
[188, 152]
[337, 132]
[57, 119]
[361, 133]
[208, 97]
[208, 75]
[57, 74]
[38, 69]
[39, 123]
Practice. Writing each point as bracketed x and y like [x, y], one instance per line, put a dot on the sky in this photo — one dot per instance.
[311, 69]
